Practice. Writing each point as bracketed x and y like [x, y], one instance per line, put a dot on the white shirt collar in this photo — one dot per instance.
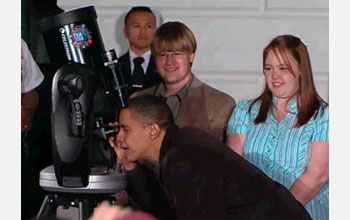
[146, 56]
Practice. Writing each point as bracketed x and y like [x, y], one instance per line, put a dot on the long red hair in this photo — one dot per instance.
[308, 100]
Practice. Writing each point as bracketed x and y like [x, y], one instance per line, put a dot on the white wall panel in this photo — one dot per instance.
[231, 35]
[237, 44]
[247, 85]
[298, 4]
[191, 4]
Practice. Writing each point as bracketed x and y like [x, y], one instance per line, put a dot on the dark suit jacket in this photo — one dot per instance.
[152, 77]
[202, 107]
[201, 178]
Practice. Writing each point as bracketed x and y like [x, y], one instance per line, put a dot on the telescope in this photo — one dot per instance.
[88, 92]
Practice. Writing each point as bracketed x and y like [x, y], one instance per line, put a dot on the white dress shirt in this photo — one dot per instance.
[146, 56]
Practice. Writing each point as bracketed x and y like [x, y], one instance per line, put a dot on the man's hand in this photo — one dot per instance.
[30, 101]
[26, 119]
[105, 211]
[116, 144]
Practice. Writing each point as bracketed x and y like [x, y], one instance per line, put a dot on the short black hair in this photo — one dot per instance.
[138, 9]
[149, 109]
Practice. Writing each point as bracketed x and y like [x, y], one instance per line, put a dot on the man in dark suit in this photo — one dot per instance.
[137, 64]
[199, 176]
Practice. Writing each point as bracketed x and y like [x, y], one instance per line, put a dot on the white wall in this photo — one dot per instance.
[230, 35]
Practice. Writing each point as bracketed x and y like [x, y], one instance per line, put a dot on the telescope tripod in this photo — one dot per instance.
[71, 206]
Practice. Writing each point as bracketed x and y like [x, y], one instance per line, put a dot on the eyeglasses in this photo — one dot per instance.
[175, 55]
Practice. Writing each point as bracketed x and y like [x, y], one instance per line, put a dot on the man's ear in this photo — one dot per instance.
[154, 131]
[192, 56]
[126, 33]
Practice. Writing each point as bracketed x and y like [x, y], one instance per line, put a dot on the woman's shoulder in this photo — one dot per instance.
[320, 115]
[323, 111]
[248, 106]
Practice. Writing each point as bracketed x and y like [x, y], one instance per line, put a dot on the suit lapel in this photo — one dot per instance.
[125, 66]
[151, 69]
[152, 76]
[192, 111]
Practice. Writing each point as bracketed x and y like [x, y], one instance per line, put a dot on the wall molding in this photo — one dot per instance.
[233, 12]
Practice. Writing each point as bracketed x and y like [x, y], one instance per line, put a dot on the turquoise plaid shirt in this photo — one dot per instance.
[281, 150]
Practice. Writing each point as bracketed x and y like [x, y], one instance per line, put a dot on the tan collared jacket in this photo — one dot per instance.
[203, 107]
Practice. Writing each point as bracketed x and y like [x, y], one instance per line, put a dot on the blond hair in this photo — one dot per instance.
[173, 36]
